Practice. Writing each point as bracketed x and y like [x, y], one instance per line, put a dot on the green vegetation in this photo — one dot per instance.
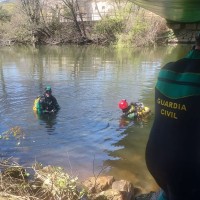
[108, 28]
[31, 22]
[131, 27]
[35, 182]
[14, 133]
[4, 15]
[42, 183]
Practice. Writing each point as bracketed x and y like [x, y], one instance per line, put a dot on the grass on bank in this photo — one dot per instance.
[43, 183]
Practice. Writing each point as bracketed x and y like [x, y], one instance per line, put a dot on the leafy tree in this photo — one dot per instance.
[4, 15]
[32, 9]
[73, 13]
[114, 23]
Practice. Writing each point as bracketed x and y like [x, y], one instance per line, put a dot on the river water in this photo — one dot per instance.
[86, 136]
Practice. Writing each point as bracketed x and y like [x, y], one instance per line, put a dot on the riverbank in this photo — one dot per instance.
[50, 182]
[125, 25]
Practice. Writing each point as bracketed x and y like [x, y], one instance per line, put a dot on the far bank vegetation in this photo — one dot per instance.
[51, 22]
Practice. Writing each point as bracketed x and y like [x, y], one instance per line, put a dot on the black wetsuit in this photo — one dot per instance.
[48, 104]
[173, 148]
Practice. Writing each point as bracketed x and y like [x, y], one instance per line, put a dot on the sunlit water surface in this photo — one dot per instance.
[86, 136]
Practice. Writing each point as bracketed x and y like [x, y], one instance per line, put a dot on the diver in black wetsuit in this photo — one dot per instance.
[46, 103]
[173, 148]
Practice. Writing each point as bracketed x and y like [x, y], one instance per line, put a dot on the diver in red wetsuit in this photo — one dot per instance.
[173, 148]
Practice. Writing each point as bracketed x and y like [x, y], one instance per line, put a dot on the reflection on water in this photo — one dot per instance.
[86, 135]
[48, 120]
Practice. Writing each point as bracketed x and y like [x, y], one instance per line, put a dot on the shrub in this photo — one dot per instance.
[141, 30]
[108, 28]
